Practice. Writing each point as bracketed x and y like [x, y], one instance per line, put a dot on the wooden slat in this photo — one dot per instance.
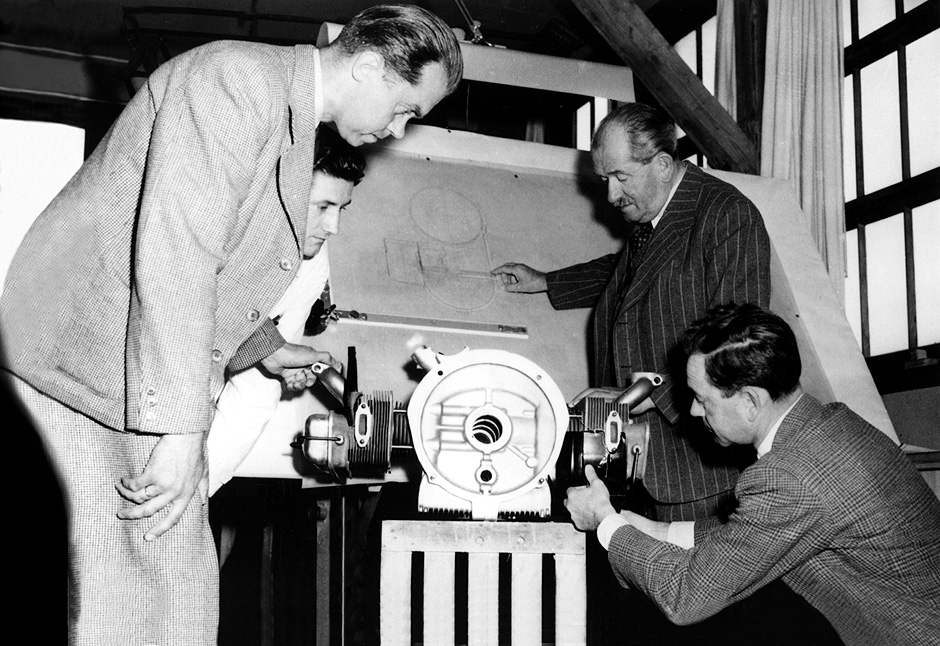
[324, 608]
[439, 598]
[395, 598]
[630, 33]
[482, 599]
[267, 585]
[483, 542]
[570, 600]
[526, 599]
[481, 537]
[537, 71]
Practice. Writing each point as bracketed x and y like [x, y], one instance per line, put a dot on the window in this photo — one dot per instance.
[587, 118]
[892, 176]
[695, 48]
[36, 161]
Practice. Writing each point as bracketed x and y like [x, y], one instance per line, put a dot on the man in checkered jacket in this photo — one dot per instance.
[832, 507]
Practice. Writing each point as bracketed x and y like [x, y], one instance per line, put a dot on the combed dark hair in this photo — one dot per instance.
[337, 158]
[408, 38]
[649, 131]
[745, 345]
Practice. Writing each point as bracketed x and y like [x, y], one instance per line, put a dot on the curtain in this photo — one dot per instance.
[726, 87]
[802, 118]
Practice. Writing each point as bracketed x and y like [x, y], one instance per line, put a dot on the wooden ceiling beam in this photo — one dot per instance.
[637, 41]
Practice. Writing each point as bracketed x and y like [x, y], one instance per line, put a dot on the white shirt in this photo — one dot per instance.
[672, 192]
[249, 398]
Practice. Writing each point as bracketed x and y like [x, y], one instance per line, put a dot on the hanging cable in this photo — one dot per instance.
[474, 25]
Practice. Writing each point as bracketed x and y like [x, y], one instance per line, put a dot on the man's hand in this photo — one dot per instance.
[292, 362]
[589, 505]
[174, 473]
[517, 277]
[296, 379]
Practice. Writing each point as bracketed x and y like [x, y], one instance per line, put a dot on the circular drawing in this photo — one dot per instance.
[446, 215]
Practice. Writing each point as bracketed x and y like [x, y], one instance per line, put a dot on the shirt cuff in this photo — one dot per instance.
[682, 534]
[605, 531]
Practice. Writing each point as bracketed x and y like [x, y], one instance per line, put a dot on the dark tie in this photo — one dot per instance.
[638, 239]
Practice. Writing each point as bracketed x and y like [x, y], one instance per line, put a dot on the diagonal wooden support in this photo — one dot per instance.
[637, 41]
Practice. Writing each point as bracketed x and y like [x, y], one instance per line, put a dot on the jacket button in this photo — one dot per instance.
[286, 264]
[216, 355]
[253, 315]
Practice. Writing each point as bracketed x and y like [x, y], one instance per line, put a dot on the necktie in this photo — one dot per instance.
[638, 239]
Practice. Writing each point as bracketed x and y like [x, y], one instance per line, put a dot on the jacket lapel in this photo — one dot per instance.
[295, 167]
[668, 238]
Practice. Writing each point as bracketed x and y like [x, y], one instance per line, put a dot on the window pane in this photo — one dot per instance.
[601, 109]
[887, 285]
[685, 48]
[923, 87]
[881, 124]
[873, 14]
[709, 53]
[848, 141]
[927, 272]
[36, 160]
[853, 308]
[845, 9]
[583, 127]
[910, 4]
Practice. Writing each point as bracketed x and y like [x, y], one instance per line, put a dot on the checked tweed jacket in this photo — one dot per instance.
[136, 286]
[836, 510]
[149, 274]
[710, 247]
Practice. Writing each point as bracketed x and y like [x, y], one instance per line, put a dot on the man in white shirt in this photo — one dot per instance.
[250, 397]
[832, 507]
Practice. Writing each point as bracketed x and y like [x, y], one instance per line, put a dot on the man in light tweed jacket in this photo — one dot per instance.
[831, 506]
[150, 276]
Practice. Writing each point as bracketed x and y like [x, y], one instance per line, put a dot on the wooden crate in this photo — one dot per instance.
[483, 542]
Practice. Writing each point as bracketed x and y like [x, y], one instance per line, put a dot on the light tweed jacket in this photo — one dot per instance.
[137, 285]
[835, 509]
[709, 248]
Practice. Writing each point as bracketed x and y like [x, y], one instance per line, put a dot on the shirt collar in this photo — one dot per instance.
[768, 441]
[672, 191]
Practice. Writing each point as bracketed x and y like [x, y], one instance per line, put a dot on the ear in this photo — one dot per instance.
[367, 64]
[753, 400]
[663, 165]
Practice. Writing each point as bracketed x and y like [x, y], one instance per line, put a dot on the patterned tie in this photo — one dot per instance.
[638, 239]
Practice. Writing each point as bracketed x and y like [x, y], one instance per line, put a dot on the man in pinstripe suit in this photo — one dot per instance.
[831, 506]
[149, 277]
[696, 242]
[707, 245]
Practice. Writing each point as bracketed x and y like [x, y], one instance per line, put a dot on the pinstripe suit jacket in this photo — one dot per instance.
[162, 255]
[837, 511]
[710, 247]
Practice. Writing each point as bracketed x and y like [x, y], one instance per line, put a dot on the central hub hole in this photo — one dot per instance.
[487, 429]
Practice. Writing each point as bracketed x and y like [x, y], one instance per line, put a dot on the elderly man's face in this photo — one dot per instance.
[725, 417]
[382, 103]
[638, 190]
